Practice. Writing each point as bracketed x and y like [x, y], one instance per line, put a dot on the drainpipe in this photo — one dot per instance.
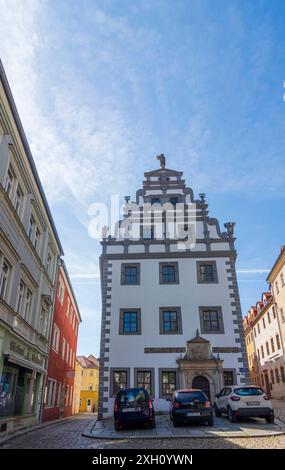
[58, 264]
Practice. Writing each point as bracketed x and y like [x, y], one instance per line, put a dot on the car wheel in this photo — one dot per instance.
[232, 416]
[152, 424]
[217, 411]
[210, 422]
[117, 426]
[270, 418]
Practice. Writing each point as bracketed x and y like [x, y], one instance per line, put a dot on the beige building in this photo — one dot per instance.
[264, 347]
[276, 279]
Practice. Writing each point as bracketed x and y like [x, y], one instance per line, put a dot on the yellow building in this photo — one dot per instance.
[86, 386]
[276, 279]
[250, 346]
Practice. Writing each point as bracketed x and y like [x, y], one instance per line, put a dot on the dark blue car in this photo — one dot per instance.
[133, 406]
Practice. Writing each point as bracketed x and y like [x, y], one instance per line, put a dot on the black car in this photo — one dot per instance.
[190, 405]
[133, 406]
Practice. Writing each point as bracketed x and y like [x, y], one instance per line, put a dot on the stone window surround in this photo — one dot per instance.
[220, 320]
[152, 378]
[168, 263]
[121, 321]
[118, 369]
[215, 272]
[165, 369]
[130, 265]
[179, 321]
[234, 375]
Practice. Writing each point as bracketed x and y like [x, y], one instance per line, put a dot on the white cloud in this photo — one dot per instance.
[253, 271]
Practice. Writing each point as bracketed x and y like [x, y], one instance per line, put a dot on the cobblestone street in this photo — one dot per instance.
[67, 435]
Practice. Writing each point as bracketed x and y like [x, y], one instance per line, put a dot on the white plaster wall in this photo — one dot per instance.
[136, 249]
[128, 351]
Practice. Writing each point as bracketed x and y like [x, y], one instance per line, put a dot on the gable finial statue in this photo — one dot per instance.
[161, 158]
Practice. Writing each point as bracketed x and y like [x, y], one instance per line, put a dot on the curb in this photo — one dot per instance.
[38, 426]
[91, 435]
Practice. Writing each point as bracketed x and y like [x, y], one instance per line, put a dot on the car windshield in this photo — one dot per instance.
[186, 397]
[133, 396]
[245, 392]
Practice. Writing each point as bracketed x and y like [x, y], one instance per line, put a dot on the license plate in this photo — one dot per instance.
[129, 410]
[253, 403]
[193, 414]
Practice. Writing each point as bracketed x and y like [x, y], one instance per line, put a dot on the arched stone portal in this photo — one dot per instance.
[203, 384]
[200, 368]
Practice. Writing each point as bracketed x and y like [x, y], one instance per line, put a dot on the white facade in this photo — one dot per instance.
[152, 348]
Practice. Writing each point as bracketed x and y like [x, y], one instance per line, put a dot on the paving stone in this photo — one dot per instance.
[68, 435]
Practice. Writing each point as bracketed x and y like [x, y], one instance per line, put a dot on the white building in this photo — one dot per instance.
[161, 288]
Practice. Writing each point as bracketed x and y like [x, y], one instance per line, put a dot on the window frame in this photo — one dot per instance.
[121, 321]
[163, 264]
[138, 370]
[218, 309]
[123, 274]
[163, 370]
[212, 263]
[176, 309]
[113, 370]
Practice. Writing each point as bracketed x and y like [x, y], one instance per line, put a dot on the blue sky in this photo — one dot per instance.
[104, 86]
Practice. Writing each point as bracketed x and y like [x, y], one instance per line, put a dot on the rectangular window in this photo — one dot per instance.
[63, 348]
[18, 200]
[282, 315]
[9, 181]
[267, 348]
[130, 274]
[51, 393]
[58, 394]
[168, 383]
[276, 287]
[67, 352]
[278, 341]
[229, 378]
[268, 317]
[55, 339]
[144, 380]
[49, 263]
[120, 380]
[277, 377]
[43, 323]
[263, 320]
[170, 321]
[90, 387]
[282, 279]
[130, 321]
[262, 352]
[272, 345]
[168, 273]
[272, 377]
[273, 311]
[60, 292]
[211, 320]
[207, 272]
[282, 371]
[5, 278]
[258, 328]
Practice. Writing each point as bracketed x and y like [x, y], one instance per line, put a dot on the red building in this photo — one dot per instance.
[59, 388]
